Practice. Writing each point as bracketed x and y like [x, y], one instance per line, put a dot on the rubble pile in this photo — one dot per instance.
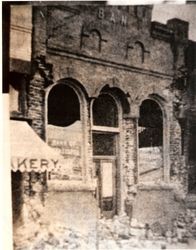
[184, 227]
[45, 235]
[122, 233]
[50, 237]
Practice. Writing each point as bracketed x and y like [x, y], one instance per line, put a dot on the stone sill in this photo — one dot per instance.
[153, 186]
[20, 117]
[70, 186]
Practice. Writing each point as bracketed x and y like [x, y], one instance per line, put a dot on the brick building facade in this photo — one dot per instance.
[110, 91]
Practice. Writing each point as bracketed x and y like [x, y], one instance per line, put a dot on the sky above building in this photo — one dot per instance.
[162, 13]
[167, 9]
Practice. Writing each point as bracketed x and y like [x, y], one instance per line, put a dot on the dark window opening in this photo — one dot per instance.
[150, 125]
[17, 198]
[192, 160]
[18, 94]
[182, 123]
[104, 144]
[63, 106]
[192, 144]
[105, 112]
[108, 204]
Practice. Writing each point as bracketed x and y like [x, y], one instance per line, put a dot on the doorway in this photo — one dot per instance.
[105, 134]
[105, 164]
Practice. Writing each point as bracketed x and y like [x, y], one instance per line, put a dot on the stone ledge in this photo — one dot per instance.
[52, 50]
[70, 186]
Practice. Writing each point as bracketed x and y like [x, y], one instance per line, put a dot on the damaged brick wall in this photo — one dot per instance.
[89, 51]
[130, 171]
[178, 169]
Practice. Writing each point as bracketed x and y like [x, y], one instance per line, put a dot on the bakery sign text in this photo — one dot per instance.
[34, 164]
[113, 17]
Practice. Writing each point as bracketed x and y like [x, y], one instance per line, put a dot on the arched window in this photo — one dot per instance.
[105, 112]
[65, 128]
[151, 124]
[150, 141]
[63, 106]
[105, 135]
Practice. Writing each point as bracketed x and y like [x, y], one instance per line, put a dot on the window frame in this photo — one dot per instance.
[80, 92]
[166, 116]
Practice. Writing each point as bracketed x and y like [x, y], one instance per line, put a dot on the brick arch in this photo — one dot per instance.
[79, 87]
[160, 100]
[117, 93]
[74, 84]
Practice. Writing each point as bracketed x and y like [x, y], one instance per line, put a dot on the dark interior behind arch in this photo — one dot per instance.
[63, 106]
[151, 124]
[105, 111]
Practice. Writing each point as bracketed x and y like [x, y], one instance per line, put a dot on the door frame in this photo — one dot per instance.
[113, 160]
[118, 132]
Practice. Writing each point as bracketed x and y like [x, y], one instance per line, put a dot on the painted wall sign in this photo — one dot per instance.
[68, 142]
[36, 164]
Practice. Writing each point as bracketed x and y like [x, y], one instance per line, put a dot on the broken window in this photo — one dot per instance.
[65, 130]
[150, 141]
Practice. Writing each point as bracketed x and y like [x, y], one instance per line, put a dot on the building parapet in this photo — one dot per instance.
[161, 31]
[180, 29]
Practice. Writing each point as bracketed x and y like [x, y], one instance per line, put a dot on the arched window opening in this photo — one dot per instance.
[63, 106]
[105, 111]
[65, 129]
[150, 141]
[150, 124]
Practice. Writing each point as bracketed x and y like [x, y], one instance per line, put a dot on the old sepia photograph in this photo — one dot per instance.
[102, 124]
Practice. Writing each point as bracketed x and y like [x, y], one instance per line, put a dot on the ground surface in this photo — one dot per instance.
[58, 237]
[75, 225]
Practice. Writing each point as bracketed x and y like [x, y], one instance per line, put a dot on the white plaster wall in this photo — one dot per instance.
[21, 29]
